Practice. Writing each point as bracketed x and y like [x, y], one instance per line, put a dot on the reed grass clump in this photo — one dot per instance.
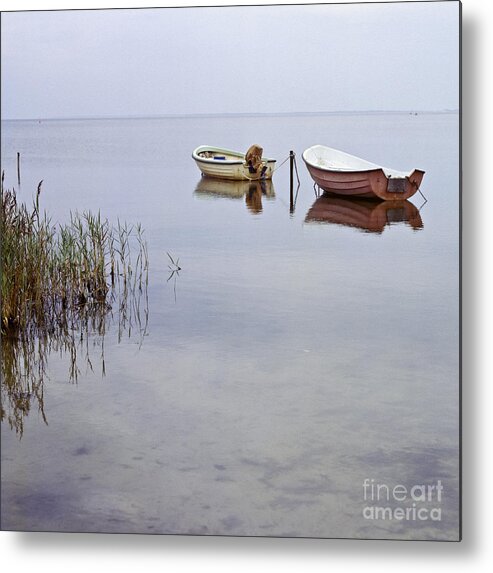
[59, 285]
[50, 273]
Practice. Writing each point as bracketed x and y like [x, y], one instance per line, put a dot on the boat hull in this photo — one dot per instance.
[342, 174]
[233, 167]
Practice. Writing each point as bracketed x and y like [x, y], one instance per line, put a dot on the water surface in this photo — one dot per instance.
[291, 359]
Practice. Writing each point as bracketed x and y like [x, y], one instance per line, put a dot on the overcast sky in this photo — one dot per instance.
[398, 56]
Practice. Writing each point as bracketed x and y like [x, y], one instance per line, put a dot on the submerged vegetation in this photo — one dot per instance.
[60, 284]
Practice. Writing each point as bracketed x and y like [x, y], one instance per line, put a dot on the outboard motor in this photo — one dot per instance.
[253, 157]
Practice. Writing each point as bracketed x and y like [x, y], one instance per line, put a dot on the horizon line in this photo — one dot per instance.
[234, 114]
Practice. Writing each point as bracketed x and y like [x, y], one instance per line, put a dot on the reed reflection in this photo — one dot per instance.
[252, 191]
[78, 339]
[367, 215]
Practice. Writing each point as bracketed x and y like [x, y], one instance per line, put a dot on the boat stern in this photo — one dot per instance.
[396, 187]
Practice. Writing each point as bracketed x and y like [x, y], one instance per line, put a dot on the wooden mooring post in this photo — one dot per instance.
[18, 168]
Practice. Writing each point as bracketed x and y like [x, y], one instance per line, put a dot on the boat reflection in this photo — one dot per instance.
[365, 214]
[252, 191]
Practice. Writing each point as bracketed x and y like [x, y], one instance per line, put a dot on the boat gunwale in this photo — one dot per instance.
[351, 172]
[345, 171]
[372, 167]
[212, 161]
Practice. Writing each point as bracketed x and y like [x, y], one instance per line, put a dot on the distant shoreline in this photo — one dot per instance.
[240, 115]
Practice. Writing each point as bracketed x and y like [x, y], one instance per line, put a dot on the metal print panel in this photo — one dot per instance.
[230, 271]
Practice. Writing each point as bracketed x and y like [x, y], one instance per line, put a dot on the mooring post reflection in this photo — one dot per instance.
[369, 215]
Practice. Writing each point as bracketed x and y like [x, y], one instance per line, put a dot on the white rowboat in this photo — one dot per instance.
[338, 172]
[228, 164]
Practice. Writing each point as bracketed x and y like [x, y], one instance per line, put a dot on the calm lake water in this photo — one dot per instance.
[290, 360]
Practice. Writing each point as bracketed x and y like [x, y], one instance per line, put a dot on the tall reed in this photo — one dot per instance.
[59, 286]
